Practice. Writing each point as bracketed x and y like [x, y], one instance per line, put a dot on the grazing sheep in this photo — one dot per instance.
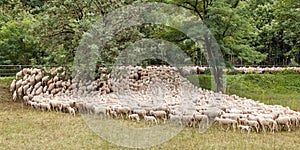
[150, 118]
[134, 116]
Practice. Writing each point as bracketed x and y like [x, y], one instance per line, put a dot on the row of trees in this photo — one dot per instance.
[260, 32]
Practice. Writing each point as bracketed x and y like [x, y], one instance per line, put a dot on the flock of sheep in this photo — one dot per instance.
[153, 95]
[243, 70]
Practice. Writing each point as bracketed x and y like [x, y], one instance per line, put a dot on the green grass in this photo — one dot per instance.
[25, 128]
[282, 89]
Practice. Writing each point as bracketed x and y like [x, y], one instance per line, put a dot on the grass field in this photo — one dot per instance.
[24, 128]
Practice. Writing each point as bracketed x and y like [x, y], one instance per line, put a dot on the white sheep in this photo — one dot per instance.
[71, 111]
[56, 105]
[19, 74]
[45, 106]
[176, 118]
[244, 127]
[285, 121]
[201, 120]
[15, 96]
[253, 124]
[134, 116]
[159, 115]
[151, 119]
[228, 122]
[140, 112]
[12, 86]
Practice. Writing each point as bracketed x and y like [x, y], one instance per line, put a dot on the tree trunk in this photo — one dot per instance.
[215, 60]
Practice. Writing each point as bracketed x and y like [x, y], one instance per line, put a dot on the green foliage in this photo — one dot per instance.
[248, 32]
[18, 42]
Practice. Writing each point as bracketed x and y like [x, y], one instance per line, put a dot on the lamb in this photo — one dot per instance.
[134, 116]
[228, 122]
[244, 127]
[71, 111]
[253, 123]
[150, 118]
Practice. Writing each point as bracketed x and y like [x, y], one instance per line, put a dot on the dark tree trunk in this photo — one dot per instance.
[215, 61]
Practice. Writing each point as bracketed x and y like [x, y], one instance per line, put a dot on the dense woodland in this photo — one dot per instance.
[47, 32]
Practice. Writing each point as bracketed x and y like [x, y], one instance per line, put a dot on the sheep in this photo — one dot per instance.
[134, 116]
[12, 86]
[20, 91]
[56, 105]
[159, 115]
[270, 123]
[45, 106]
[71, 110]
[18, 84]
[45, 79]
[32, 80]
[100, 110]
[235, 117]
[201, 120]
[176, 118]
[123, 110]
[285, 121]
[244, 127]
[15, 96]
[26, 98]
[19, 74]
[38, 77]
[187, 120]
[140, 112]
[253, 123]
[39, 90]
[228, 122]
[150, 118]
